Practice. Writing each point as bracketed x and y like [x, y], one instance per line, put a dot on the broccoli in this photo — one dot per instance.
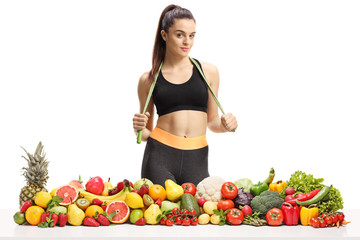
[266, 201]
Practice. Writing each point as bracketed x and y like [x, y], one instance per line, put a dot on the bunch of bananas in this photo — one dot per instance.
[120, 196]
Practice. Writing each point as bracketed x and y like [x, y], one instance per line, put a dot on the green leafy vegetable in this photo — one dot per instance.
[305, 183]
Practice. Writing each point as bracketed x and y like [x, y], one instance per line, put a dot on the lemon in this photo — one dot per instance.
[42, 198]
[52, 193]
[134, 200]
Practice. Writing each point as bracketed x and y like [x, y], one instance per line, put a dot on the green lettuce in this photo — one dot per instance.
[305, 183]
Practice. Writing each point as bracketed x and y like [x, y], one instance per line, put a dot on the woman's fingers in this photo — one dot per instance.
[140, 121]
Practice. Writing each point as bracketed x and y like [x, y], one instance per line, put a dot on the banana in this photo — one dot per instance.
[120, 196]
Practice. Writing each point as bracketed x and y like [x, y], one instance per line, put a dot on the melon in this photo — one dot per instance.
[122, 211]
[68, 193]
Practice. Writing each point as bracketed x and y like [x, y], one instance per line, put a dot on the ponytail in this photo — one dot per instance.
[166, 20]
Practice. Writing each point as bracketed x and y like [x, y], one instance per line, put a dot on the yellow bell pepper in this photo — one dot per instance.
[306, 213]
[277, 186]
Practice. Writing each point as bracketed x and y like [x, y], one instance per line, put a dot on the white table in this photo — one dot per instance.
[10, 230]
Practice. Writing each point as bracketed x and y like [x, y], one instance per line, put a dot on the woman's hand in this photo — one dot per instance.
[140, 121]
[229, 122]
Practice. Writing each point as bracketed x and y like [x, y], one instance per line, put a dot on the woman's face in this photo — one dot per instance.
[180, 37]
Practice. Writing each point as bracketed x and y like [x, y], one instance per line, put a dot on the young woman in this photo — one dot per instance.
[177, 148]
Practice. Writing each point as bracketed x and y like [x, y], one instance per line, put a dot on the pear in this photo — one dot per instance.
[107, 187]
[75, 215]
[173, 190]
[151, 214]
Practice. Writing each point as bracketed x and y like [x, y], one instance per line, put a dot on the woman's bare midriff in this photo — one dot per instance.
[185, 123]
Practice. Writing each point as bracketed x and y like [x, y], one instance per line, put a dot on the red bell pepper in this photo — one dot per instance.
[291, 214]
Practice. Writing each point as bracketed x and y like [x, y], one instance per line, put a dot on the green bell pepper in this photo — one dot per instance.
[258, 188]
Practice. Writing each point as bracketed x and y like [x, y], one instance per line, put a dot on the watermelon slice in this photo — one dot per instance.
[68, 193]
[122, 211]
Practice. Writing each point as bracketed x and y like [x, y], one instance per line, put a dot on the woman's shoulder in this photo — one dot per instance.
[210, 70]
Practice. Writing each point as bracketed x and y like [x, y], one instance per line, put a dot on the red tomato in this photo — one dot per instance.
[175, 211]
[189, 188]
[235, 216]
[274, 217]
[341, 216]
[169, 222]
[229, 190]
[225, 205]
[186, 221]
[322, 222]
[163, 221]
[179, 220]
[194, 221]
[314, 222]
[192, 212]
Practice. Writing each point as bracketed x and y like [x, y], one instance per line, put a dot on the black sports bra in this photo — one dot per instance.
[190, 95]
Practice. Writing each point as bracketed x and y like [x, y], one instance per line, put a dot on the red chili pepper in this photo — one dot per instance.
[291, 213]
[308, 196]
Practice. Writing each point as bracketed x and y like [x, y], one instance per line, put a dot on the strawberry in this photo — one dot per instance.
[43, 216]
[91, 222]
[158, 202]
[103, 220]
[140, 222]
[62, 219]
[143, 190]
[97, 202]
[25, 206]
[54, 219]
[103, 206]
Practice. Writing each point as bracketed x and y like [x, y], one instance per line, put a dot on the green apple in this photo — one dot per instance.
[139, 183]
[135, 215]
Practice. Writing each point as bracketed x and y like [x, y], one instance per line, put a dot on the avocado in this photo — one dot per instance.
[189, 202]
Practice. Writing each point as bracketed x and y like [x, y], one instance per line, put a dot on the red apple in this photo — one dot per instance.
[201, 201]
[95, 185]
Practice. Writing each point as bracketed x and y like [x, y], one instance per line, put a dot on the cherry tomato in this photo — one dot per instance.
[229, 190]
[194, 221]
[335, 218]
[274, 217]
[175, 211]
[169, 222]
[322, 222]
[185, 212]
[189, 188]
[163, 221]
[169, 216]
[179, 220]
[314, 222]
[225, 205]
[328, 219]
[192, 212]
[341, 216]
[186, 221]
[235, 216]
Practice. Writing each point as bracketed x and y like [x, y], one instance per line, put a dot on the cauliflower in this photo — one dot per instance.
[210, 189]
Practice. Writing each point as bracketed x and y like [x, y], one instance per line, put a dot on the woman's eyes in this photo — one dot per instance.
[179, 35]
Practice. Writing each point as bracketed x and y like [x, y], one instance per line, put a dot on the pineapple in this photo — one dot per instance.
[36, 174]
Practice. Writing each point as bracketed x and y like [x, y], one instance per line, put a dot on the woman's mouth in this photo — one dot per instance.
[185, 49]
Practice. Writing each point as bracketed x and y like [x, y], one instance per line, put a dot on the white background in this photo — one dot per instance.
[289, 72]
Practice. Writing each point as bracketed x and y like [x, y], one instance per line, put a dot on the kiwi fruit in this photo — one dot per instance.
[147, 200]
[83, 203]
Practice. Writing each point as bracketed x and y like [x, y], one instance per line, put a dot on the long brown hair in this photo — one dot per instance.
[166, 20]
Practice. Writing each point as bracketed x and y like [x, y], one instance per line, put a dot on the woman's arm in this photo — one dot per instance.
[144, 121]
[216, 124]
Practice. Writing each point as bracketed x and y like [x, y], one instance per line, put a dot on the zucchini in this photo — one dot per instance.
[188, 202]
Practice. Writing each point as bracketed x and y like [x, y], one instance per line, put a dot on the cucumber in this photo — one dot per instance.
[188, 202]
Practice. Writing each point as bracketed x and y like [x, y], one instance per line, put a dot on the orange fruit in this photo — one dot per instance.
[122, 211]
[157, 191]
[33, 214]
[91, 211]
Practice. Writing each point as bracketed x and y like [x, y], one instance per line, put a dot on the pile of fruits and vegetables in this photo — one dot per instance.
[302, 199]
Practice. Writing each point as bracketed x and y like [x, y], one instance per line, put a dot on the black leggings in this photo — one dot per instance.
[162, 162]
